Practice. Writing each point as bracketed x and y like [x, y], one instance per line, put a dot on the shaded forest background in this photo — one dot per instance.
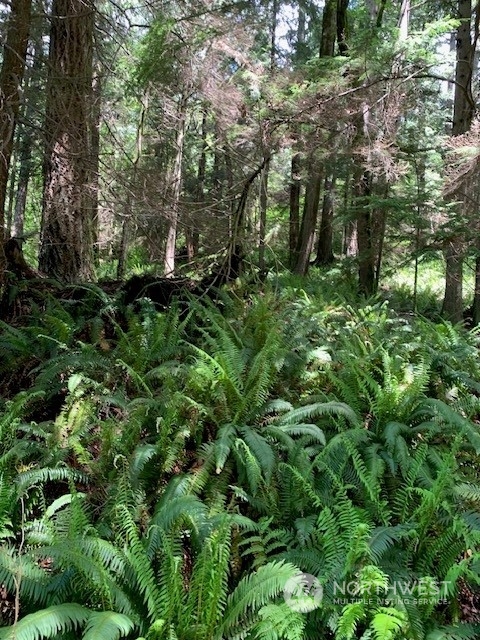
[177, 134]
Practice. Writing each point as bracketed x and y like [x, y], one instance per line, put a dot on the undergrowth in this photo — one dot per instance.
[166, 475]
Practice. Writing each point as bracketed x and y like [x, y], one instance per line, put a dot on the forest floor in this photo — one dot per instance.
[172, 466]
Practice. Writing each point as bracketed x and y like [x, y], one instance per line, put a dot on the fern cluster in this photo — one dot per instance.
[165, 475]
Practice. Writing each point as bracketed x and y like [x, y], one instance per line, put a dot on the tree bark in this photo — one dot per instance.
[94, 164]
[325, 237]
[12, 184]
[380, 229]
[453, 300]
[11, 75]
[316, 172]
[124, 240]
[476, 293]
[296, 162]
[329, 29]
[366, 259]
[192, 233]
[25, 162]
[175, 189]
[463, 110]
[66, 249]
[350, 240]
[342, 27]
[128, 216]
[26, 139]
[263, 213]
[217, 170]
[294, 222]
[309, 220]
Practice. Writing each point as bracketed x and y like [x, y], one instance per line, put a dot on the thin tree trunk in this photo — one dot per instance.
[296, 162]
[192, 233]
[230, 187]
[128, 215]
[25, 162]
[380, 238]
[476, 293]
[124, 240]
[26, 140]
[217, 171]
[350, 242]
[176, 189]
[300, 52]
[325, 238]
[11, 75]
[266, 143]
[294, 223]
[362, 193]
[12, 183]
[420, 169]
[263, 213]
[366, 258]
[309, 220]
[94, 126]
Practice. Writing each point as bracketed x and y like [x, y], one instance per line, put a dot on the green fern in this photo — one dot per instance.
[58, 619]
[251, 594]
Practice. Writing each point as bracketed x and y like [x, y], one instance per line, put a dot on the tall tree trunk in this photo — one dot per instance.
[263, 204]
[300, 53]
[309, 220]
[296, 162]
[124, 239]
[66, 249]
[453, 300]
[329, 29]
[404, 20]
[26, 139]
[192, 232]
[128, 214]
[263, 213]
[342, 27]
[176, 188]
[230, 191]
[94, 165]
[463, 110]
[12, 184]
[362, 192]
[350, 239]
[380, 228]
[294, 223]
[316, 173]
[25, 168]
[325, 237]
[11, 75]
[217, 172]
[366, 258]
[476, 292]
